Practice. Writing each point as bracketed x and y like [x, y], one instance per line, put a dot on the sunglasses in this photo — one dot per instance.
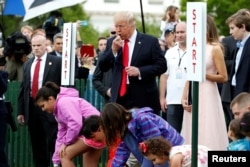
[113, 32]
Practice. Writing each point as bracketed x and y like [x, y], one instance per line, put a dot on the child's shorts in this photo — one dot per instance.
[92, 143]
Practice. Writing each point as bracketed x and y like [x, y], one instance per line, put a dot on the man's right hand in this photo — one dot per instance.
[117, 44]
[20, 119]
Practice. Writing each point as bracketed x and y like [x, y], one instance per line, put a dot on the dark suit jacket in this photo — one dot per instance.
[243, 71]
[148, 57]
[102, 81]
[53, 53]
[230, 49]
[52, 72]
[3, 89]
[229, 44]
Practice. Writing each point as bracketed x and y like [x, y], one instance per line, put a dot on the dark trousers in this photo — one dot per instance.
[132, 100]
[175, 116]
[3, 127]
[227, 112]
[43, 130]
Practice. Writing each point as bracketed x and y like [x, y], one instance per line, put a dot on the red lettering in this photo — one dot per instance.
[194, 24]
[67, 32]
[65, 74]
[65, 64]
[66, 42]
[194, 42]
[193, 54]
[194, 18]
[66, 54]
[194, 65]
[194, 14]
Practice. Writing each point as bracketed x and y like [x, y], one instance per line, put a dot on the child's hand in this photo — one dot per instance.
[62, 150]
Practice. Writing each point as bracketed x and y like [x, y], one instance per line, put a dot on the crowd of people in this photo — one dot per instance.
[142, 123]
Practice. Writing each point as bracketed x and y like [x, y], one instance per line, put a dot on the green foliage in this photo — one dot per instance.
[151, 26]
[220, 10]
[72, 14]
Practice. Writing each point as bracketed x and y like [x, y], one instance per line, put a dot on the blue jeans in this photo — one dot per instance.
[175, 116]
[147, 163]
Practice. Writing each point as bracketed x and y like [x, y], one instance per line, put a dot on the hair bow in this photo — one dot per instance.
[143, 147]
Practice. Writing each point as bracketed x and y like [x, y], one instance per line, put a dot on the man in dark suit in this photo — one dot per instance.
[146, 62]
[3, 112]
[230, 48]
[57, 44]
[239, 24]
[42, 126]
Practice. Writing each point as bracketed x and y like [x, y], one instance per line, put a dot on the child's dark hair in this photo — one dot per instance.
[245, 124]
[156, 146]
[235, 128]
[114, 120]
[90, 125]
[49, 89]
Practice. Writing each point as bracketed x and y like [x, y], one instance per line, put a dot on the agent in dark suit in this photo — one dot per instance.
[3, 115]
[239, 24]
[42, 126]
[57, 44]
[230, 48]
[146, 62]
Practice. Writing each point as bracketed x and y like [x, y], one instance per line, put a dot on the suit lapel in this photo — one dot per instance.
[244, 50]
[137, 47]
[29, 63]
[47, 67]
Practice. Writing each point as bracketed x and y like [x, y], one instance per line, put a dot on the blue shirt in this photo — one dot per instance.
[144, 125]
[239, 145]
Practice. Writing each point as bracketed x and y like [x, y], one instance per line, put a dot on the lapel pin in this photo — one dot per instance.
[50, 63]
[139, 42]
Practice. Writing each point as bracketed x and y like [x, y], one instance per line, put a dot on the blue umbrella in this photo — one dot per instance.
[14, 7]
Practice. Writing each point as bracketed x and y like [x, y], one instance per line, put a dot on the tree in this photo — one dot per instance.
[220, 10]
[71, 14]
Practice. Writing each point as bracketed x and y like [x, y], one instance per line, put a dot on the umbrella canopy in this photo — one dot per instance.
[33, 8]
[13, 7]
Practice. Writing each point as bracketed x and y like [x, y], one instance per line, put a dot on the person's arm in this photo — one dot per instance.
[72, 119]
[218, 59]
[97, 81]
[184, 99]
[78, 35]
[107, 60]
[121, 155]
[3, 80]
[176, 160]
[163, 26]
[158, 63]
[162, 87]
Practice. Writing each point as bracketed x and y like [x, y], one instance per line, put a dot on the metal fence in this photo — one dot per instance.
[18, 147]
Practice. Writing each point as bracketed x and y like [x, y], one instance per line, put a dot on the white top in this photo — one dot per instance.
[41, 70]
[177, 64]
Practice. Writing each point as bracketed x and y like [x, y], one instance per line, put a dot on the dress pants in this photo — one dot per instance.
[3, 128]
[43, 130]
[175, 116]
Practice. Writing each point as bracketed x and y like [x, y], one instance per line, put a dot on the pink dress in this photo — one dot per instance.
[202, 158]
[212, 131]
